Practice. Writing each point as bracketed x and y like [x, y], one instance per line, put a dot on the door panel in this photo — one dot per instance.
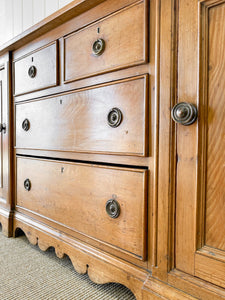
[1, 164]
[200, 192]
[4, 134]
[186, 137]
[215, 156]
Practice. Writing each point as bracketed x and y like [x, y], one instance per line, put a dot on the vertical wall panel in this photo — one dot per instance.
[63, 2]
[17, 17]
[27, 14]
[38, 10]
[51, 6]
[2, 16]
[8, 20]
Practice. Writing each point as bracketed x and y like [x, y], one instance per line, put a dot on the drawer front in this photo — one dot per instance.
[37, 70]
[76, 195]
[115, 42]
[83, 121]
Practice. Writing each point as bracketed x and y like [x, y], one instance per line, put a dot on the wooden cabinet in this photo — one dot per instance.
[115, 112]
[5, 147]
[200, 191]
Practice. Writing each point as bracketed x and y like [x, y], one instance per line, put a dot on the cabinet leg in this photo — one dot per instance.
[6, 221]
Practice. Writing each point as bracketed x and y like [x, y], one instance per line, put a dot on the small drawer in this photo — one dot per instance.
[106, 119]
[115, 42]
[102, 202]
[37, 70]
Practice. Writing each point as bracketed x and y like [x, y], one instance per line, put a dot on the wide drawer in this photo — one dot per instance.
[109, 119]
[36, 70]
[114, 42]
[76, 195]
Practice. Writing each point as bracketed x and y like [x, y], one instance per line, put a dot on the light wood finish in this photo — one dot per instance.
[79, 123]
[101, 267]
[215, 156]
[45, 60]
[98, 10]
[87, 82]
[200, 165]
[210, 269]
[6, 221]
[167, 248]
[155, 290]
[65, 197]
[87, 18]
[163, 204]
[87, 259]
[186, 138]
[129, 31]
[1, 121]
[6, 136]
[200, 289]
[90, 157]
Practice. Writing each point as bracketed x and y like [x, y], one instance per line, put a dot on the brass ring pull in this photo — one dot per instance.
[3, 127]
[32, 71]
[112, 208]
[27, 184]
[98, 47]
[184, 113]
[26, 125]
[115, 117]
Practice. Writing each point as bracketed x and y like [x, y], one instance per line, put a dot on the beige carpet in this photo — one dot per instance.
[27, 273]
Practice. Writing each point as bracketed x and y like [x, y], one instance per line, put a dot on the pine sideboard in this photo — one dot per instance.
[112, 142]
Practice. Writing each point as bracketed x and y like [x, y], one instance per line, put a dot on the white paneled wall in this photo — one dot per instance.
[18, 15]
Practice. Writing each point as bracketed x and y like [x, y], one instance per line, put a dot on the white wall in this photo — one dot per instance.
[18, 15]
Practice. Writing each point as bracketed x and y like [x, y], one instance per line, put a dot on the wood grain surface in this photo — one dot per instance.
[121, 32]
[75, 195]
[200, 199]
[45, 61]
[215, 161]
[186, 137]
[78, 122]
[168, 241]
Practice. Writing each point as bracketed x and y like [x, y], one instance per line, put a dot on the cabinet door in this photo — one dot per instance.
[200, 181]
[4, 135]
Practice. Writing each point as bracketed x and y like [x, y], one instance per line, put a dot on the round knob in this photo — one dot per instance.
[98, 47]
[27, 184]
[32, 71]
[184, 113]
[112, 208]
[115, 117]
[26, 125]
[3, 127]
